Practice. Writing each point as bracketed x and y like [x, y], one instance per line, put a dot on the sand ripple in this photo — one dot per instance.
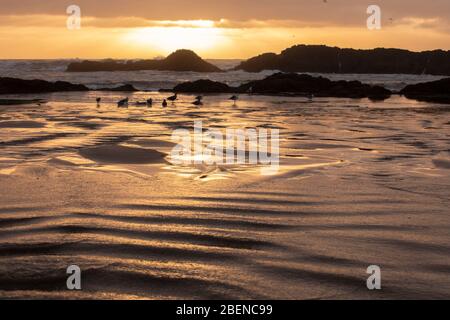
[359, 184]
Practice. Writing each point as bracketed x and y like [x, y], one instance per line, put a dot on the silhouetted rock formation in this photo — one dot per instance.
[181, 60]
[13, 86]
[303, 84]
[202, 86]
[291, 84]
[435, 91]
[16, 102]
[124, 88]
[323, 59]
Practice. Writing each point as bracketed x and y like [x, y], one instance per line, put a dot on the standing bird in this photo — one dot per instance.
[234, 98]
[164, 103]
[123, 103]
[173, 98]
[198, 101]
[149, 102]
[98, 101]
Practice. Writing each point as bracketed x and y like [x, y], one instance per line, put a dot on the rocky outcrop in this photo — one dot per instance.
[266, 61]
[16, 102]
[202, 86]
[435, 91]
[323, 59]
[291, 84]
[181, 60]
[186, 60]
[303, 84]
[124, 88]
[14, 86]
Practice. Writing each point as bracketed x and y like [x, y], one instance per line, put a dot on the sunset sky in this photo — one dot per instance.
[212, 28]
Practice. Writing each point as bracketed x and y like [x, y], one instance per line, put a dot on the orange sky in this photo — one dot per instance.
[214, 29]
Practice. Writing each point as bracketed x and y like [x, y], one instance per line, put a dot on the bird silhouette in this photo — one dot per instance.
[149, 102]
[141, 103]
[98, 100]
[198, 101]
[234, 98]
[164, 103]
[123, 103]
[173, 98]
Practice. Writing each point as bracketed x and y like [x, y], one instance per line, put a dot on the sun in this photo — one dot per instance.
[198, 35]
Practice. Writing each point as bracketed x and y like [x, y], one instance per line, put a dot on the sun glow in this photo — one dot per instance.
[187, 23]
[198, 35]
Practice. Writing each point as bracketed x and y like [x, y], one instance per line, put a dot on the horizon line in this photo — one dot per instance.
[209, 58]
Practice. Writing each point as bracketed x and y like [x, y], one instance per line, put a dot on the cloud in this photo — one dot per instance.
[340, 12]
[124, 22]
[436, 24]
[31, 28]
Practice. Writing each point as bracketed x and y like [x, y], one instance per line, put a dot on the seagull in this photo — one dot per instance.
[173, 98]
[123, 103]
[164, 103]
[198, 101]
[149, 102]
[234, 98]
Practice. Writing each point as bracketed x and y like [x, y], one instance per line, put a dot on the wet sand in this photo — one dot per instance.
[359, 184]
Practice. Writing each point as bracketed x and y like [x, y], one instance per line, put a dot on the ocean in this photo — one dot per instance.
[54, 70]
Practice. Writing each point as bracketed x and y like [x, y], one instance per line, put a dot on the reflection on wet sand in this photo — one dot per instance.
[358, 184]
